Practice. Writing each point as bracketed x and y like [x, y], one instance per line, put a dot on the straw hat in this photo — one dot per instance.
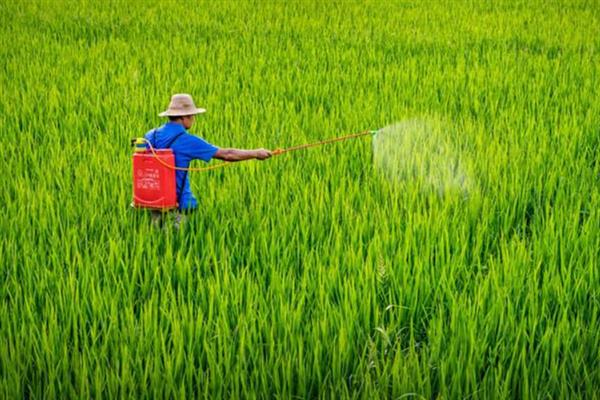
[181, 104]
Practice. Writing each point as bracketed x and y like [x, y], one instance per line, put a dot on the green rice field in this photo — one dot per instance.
[453, 255]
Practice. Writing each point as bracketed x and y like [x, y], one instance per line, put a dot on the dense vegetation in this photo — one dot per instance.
[315, 273]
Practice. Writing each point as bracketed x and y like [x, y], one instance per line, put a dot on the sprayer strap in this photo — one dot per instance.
[180, 189]
[168, 146]
[173, 140]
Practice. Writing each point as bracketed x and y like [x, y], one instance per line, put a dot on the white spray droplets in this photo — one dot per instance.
[422, 153]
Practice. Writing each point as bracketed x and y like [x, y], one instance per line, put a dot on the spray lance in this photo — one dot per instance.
[277, 152]
[154, 182]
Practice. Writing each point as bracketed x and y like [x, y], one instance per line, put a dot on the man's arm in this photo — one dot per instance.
[240, 155]
[197, 148]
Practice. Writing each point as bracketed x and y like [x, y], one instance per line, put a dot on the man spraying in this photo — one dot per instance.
[186, 147]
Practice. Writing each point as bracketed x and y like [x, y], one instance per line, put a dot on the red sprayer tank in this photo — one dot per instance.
[154, 184]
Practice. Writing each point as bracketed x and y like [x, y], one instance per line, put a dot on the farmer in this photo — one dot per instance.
[187, 147]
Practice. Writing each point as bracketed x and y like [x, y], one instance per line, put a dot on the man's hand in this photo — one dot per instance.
[263, 154]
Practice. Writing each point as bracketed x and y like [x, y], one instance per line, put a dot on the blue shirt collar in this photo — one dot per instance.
[174, 124]
[174, 127]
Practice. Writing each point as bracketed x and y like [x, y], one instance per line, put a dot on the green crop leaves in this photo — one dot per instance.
[453, 255]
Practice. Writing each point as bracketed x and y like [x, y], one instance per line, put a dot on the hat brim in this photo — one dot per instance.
[175, 113]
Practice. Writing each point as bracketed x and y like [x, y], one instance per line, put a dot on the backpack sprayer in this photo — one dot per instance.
[154, 183]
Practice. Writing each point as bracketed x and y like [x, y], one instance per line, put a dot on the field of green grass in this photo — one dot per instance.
[335, 272]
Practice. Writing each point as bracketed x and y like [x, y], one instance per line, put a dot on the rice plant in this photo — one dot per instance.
[460, 260]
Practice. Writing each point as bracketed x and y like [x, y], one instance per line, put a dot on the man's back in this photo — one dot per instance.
[186, 148]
